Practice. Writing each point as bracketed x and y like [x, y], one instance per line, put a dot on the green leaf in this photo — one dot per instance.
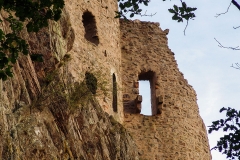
[175, 8]
[127, 4]
[8, 71]
[193, 9]
[1, 34]
[30, 27]
[121, 6]
[37, 57]
[175, 17]
[25, 51]
[3, 76]
[171, 10]
[56, 17]
[136, 7]
[180, 20]
[145, 3]
[2, 55]
[184, 6]
[3, 62]
[181, 10]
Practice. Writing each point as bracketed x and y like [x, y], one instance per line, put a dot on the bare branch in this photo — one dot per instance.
[145, 14]
[236, 27]
[236, 4]
[185, 28]
[220, 45]
[218, 14]
[237, 66]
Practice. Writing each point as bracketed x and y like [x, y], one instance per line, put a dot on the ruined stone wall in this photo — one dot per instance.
[176, 131]
[46, 116]
[103, 59]
[43, 108]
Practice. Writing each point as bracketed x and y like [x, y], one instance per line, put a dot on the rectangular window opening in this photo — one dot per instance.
[148, 81]
[145, 92]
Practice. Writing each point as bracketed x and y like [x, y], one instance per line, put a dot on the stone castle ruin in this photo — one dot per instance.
[175, 131]
[118, 53]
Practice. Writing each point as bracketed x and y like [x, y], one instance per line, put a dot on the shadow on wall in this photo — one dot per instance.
[89, 24]
[114, 102]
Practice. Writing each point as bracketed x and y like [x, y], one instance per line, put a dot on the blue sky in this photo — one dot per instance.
[204, 64]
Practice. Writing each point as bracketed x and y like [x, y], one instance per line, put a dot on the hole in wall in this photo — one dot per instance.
[151, 105]
[89, 24]
[144, 90]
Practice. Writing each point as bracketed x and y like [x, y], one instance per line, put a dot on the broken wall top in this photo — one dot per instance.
[176, 130]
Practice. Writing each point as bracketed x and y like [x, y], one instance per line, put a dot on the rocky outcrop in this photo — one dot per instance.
[52, 132]
[45, 115]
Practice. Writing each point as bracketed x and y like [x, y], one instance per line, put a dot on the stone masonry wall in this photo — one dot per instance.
[103, 59]
[44, 114]
[176, 130]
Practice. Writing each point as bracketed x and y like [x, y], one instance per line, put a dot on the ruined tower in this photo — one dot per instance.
[175, 130]
[96, 49]
[44, 114]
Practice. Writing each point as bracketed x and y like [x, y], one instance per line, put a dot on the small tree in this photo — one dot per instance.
[229, 144]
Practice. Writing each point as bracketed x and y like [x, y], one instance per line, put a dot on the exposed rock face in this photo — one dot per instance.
[46, 110]
[53, 133]
[176, 130]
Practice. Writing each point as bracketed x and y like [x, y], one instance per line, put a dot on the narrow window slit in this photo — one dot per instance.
[114, 102]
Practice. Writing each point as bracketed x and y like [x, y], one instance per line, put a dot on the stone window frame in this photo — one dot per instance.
[151, 77]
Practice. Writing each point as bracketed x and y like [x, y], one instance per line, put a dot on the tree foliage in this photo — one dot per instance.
[229, 144]
[32, 13]
[132, 7]
[183, 12]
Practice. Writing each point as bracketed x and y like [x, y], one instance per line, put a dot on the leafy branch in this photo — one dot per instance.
[181, 13]
[35, 14]
[130, 6]
[229, 144]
